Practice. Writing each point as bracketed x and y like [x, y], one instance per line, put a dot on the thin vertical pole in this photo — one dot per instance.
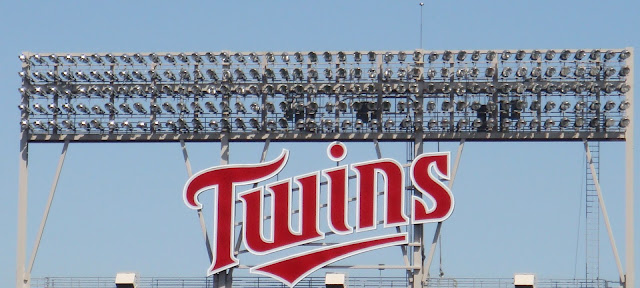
[629, 197]
[421, 5]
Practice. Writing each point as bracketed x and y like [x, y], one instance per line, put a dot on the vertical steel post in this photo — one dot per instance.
[23, 173]
[629, 197]
[224, 149]
[21, 244]
[418, 229]
[223, 279]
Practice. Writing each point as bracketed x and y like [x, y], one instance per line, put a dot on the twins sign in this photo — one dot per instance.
[427, 172]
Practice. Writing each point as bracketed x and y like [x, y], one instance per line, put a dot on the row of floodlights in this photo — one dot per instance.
[297, 74]
[313, 57]
[328, 125]
[339, 89]
[300, 107]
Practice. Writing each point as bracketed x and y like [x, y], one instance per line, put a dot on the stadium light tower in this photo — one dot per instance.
[384, 95]
[298, 96]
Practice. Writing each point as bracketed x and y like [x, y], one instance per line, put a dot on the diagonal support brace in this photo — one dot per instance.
[436, 235]
[603, 208]
[187, 164]
[47, 208]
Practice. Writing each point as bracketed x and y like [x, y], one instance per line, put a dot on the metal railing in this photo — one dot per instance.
[508, 283]
[353, 282]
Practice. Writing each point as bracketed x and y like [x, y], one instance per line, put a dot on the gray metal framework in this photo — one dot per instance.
[307, 96]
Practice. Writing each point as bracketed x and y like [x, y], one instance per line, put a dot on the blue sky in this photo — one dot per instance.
[119, 208]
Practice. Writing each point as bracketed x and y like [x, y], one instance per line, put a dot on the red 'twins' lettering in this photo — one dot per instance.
[427, 172]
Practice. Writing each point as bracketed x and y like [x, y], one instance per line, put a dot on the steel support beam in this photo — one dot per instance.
[23, 180]
[223, 279]
[418, 231]
[519, 136]
[629, 197]
[21, 241]
[205, 234]
[436, 235]
[603, 208]
[47, 208]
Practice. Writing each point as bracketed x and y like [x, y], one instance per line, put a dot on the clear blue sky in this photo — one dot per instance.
[119, 206]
